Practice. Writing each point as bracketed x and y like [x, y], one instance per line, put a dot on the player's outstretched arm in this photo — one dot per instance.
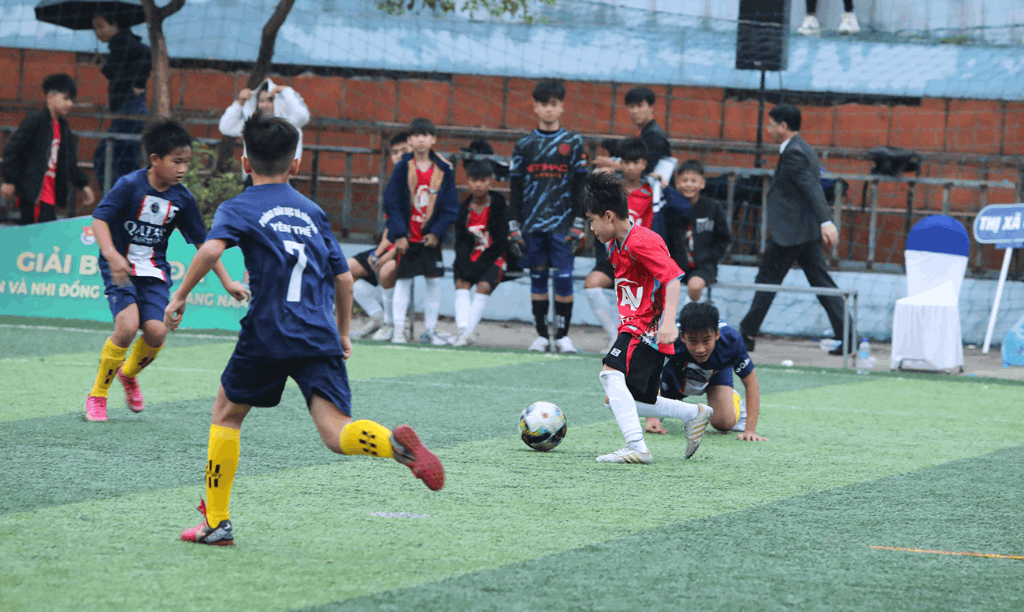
[207, 256]
[343, 310]
[235, 288]
[753, 408]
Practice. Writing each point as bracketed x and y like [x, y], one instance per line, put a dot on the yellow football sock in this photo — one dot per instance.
[225, 446]
[110, 359]
[142, 355]
[366, 437]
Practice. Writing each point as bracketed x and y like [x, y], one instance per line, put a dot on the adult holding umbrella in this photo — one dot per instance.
[127, 71]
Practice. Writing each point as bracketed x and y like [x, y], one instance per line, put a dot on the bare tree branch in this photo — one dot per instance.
[158, 47]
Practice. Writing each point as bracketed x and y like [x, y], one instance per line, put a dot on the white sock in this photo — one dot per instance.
[462, 309]
[666, 408]
[388, 297]
[623, 406]
[431, 302]
[403, 292]
[476, 311]
[603, 311]
[366, 296]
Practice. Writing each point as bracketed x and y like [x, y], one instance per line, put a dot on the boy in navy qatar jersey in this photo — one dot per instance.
[646, 287]
[481, 238]
[641, 210]
[547, 225]
[421, 203]
[132, 225]
[707, 354]
[298, 274]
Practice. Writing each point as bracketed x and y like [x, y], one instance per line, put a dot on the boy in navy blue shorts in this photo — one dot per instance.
[132, 225]
[298, 274]
[707, 355]
[546, 220]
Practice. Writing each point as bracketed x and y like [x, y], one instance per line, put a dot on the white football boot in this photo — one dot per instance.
[849, 24]
[565, 345]
[385, 333]
[810, 26]
[540, 345]
[629, 453]
[695, 429]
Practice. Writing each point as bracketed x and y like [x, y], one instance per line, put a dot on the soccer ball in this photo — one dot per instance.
[542, 426]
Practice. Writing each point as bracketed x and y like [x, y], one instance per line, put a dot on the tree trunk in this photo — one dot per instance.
[226, 148]
[158, 47]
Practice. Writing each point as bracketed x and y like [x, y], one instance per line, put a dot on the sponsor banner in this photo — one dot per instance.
[52, 270]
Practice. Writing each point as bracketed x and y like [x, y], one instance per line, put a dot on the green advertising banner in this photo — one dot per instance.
[52, 270]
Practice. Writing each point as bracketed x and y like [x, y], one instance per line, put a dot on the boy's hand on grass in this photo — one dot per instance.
[749, 436]
[653, 425]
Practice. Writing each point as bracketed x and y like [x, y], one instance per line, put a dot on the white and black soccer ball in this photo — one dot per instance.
[542, 426]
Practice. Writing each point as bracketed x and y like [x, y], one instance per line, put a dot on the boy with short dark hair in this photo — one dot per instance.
[707, 354]
[377, 266]
[701, 220]
[640, 105]
[41, 158]
[481, 237]
[132, 226]
[290, 330]
[421, 203]
[641, 210]
[647, 288]
[546, 221]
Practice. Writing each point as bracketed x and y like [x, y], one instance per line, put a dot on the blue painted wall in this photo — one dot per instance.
[583, 41]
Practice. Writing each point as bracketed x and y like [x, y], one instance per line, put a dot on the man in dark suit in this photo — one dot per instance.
[799, 222]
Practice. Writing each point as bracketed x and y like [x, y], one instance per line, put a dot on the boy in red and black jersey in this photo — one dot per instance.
[421, 203]
[640, 199]
[647, 285]
[481, 238]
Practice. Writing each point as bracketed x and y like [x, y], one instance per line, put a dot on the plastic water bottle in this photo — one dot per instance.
[864, 359]
[827, 344]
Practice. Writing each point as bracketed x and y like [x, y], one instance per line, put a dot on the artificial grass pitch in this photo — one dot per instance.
[91, 513]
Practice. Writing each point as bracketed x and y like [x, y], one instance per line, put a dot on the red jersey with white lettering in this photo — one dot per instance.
[419, 204]
[643, 269]
[477, 224]
[641, 205]
[49, 193]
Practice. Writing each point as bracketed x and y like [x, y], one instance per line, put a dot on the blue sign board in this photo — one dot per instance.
[1000, 224]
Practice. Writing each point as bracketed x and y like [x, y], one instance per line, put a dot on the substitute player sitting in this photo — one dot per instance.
[297, 273]
[647, 285]
[132, 225]
[377, 266]
[707, 354]
[633, 161]
[481, 237]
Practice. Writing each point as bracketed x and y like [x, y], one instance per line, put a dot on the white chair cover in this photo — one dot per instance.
[926, 331]
[926, 324]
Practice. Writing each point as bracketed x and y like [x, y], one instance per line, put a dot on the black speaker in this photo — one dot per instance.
[762, 38]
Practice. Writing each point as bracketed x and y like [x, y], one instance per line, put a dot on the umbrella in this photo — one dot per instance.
[78, 14]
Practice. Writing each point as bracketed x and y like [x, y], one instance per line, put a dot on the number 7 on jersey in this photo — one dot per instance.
[295, 283]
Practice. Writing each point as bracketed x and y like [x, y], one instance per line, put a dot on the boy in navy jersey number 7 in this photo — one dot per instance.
[646, 287]
[297, 274]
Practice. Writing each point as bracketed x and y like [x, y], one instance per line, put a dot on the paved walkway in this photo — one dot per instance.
[770, 349]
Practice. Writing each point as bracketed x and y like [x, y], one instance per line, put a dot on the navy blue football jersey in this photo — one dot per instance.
[141, 220]
[547, 168]
[683, 376]
[292, 258]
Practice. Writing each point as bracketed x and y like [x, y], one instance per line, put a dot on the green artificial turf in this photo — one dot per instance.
[90, 513]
